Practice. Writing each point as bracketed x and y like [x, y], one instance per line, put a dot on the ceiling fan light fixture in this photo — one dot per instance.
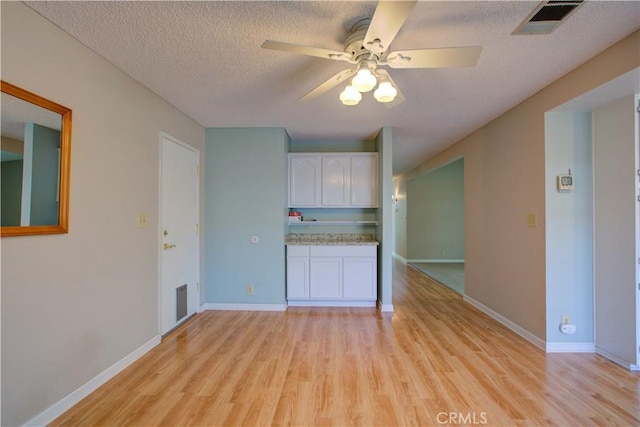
[385, 92]
[364, 80]
[350, 96]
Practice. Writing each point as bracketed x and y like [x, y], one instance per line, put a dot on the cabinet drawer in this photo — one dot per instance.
[296, 250]
[343, 251]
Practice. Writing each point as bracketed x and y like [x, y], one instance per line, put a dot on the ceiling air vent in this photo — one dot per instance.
[547, 16]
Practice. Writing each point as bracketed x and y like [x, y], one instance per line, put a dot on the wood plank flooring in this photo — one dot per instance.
[435, 361]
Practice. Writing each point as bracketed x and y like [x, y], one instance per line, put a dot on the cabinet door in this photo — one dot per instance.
[359, 278]
[364, 180]
[325, 278]
[335, 181]
[298, 278]
[304, 181]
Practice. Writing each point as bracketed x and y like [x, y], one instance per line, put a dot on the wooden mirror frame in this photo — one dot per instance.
[65, 165]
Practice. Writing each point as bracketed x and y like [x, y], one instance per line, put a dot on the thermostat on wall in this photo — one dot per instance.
[565, 183]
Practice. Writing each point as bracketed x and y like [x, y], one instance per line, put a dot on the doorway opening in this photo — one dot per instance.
[435, 224]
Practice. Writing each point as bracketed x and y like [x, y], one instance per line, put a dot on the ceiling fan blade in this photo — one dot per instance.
[435, 58]
[399, 99]
[306, 50]
[385, 24]
[329, 84]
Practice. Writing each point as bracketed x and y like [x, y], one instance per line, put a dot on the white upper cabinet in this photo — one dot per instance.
[304, 181]
[333, 180]
[336, 172]
[364, 180]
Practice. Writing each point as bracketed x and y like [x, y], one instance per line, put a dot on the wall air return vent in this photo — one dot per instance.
[547, 16]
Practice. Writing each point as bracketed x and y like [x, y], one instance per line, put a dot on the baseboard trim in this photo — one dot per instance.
[570, 347]
[63, 405]
[506, 322]
[324, 303]
[244, 307]
[385, 308]
[399, 258]
[617, 360]
[433, 260]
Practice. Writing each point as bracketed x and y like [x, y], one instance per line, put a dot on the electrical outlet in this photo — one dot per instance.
[567, 328]
[250, 289]
[565, 318]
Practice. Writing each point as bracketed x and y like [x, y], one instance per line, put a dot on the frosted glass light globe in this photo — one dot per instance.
[385, 92]
[364, 80]
[350, 96]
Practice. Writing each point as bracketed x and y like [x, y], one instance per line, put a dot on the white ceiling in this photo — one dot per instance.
[205, 58]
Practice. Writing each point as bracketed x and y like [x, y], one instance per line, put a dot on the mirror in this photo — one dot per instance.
[35, 160]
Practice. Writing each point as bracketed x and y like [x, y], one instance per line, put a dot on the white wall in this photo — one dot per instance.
[73, 305]
[569, 230]
[615, 180]
[505, 182]
[435, 214]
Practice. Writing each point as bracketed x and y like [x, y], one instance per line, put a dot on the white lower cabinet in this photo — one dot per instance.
[325, 278]
[332, 275]
[298, 277]
[359, 275]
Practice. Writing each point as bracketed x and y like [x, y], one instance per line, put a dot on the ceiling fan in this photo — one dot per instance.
[368, 48]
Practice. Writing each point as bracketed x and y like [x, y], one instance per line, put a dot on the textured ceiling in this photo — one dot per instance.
[205, 58]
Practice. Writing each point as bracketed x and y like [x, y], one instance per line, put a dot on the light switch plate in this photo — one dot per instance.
[142, 220]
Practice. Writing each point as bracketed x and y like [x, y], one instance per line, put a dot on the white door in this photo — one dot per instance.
[336, 185]
[364, 180]
[325, 278]
[179, 243]
[359, 277]
[298, 277]
[304, 181]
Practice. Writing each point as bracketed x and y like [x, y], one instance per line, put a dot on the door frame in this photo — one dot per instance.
[637, 205]
[163, 135]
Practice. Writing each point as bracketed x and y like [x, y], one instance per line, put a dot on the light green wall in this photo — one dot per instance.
[569, 231]
[11, 191]
[245, 196]
[44, 180]
[435, 214]
[615, 216]
[332, 146]
[384, 144]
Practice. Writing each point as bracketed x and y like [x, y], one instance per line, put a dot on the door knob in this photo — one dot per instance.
[168, 246]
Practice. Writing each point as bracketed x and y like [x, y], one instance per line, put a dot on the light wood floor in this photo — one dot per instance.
[435, 361]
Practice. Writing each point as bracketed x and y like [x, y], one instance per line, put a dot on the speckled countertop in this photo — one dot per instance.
[330, 239]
